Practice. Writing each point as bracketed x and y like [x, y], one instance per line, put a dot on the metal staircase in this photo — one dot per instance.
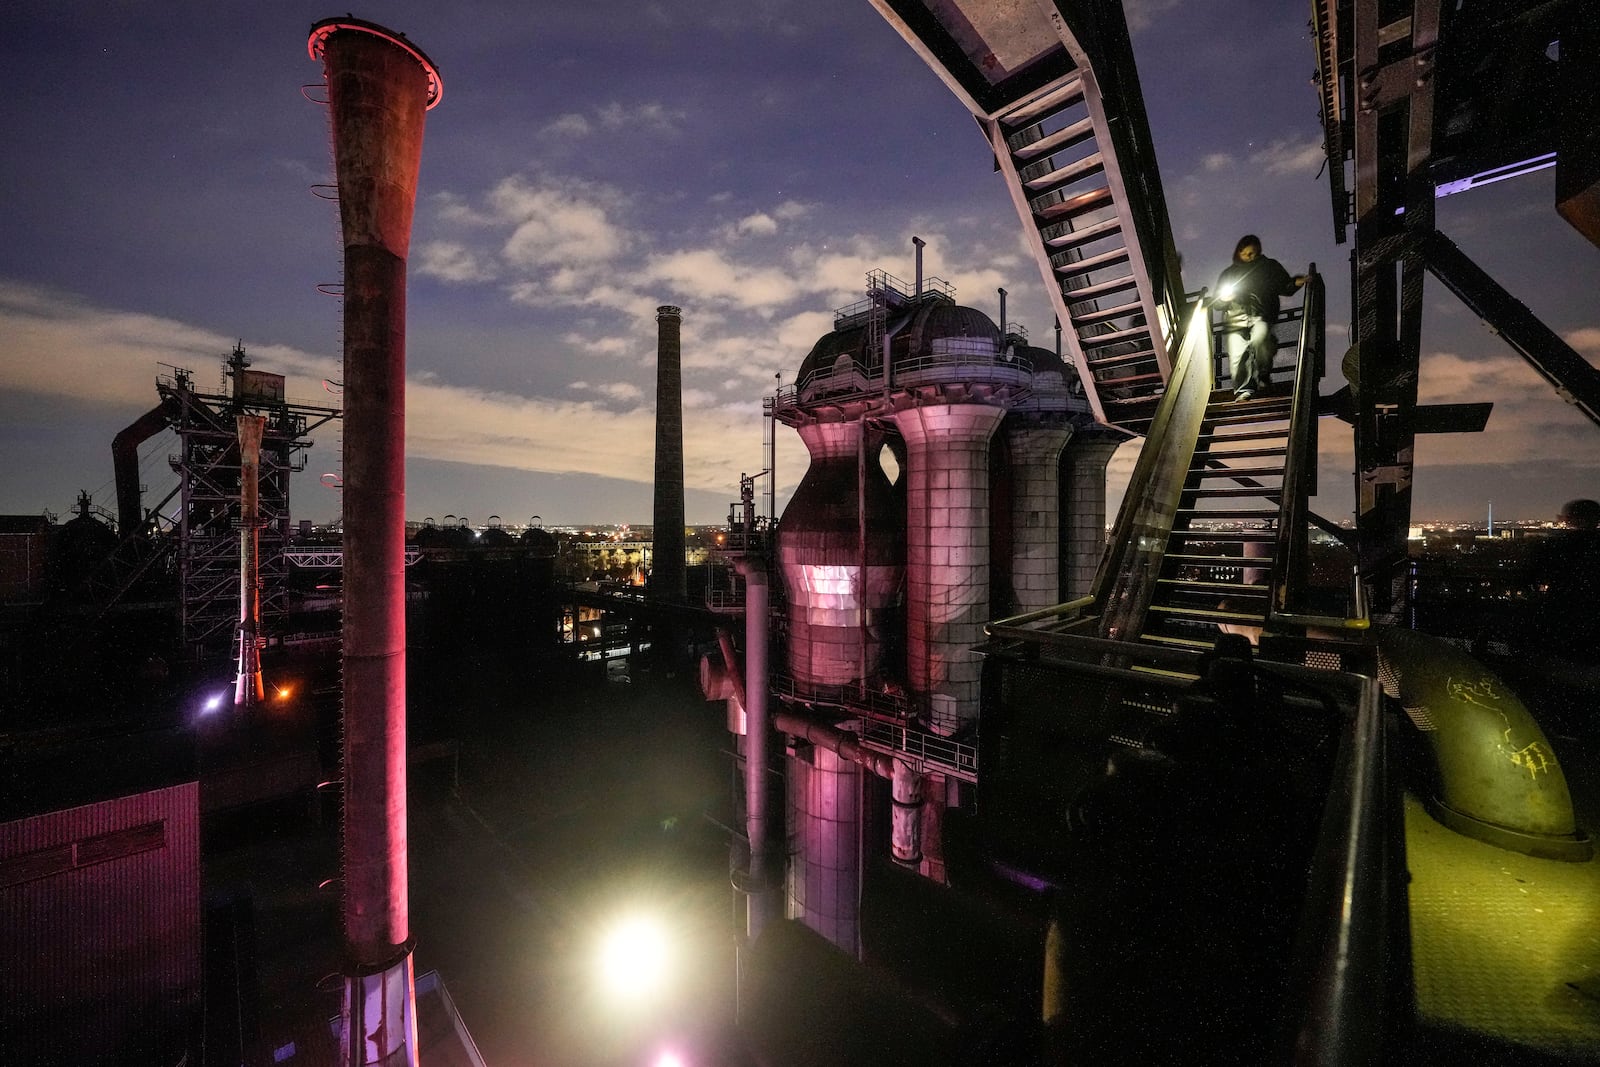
[1219, 558]
[1055, 92]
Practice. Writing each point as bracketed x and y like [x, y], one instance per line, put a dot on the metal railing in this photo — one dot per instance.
[1342, 974]
[854, 378]
[1126, 578]
[957, 759]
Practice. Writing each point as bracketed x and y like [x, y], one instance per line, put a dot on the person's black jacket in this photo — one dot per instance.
[1257, 286]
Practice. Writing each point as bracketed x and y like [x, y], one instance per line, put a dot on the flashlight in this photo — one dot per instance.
[1226, 292]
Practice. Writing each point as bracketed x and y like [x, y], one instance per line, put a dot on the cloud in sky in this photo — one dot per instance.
[60, 347]
[647, 117]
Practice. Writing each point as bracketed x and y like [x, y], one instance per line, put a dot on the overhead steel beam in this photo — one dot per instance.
[1574, 379]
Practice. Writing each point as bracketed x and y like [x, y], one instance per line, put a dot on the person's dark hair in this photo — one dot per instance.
[1581, 514]
[1245, 242]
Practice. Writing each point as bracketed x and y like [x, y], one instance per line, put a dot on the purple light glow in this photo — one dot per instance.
[213, 702]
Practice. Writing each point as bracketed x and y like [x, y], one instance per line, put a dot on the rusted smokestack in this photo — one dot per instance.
[379, 87]
[247, 687]
[668, 580]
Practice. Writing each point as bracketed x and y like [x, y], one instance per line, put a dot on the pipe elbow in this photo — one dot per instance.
[1495, 773]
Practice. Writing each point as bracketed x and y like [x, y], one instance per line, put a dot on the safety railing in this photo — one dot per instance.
[1292, 554]
[1342, 975]
[1128, 571]
[984, 361]
[958, 759]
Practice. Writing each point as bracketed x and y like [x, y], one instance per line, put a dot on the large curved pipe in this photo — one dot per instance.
[1496, 777]
[125, 464]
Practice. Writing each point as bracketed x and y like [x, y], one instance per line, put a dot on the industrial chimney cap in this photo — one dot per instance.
[669, 311]
[321, 31]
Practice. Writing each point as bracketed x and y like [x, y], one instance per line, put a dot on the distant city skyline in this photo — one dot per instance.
[747, 162]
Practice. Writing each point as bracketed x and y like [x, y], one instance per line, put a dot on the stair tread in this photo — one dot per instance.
[1071, 134]
[1221, 587]
[1064, 175]
[1237, 490]
[1201, 560]
[1061, 97]
[1106, 314]
[1090, 292]
[1083, 266]
[1082, 236]
[1236, 472]
[1245, 453]
[1209, 613]
[1088, 200]
[1122, 360]
[1227, 535]
[1180, 642]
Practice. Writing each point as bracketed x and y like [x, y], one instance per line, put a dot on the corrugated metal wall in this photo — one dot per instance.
[100, 931]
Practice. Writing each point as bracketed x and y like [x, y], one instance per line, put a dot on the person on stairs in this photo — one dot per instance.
[1248, 290]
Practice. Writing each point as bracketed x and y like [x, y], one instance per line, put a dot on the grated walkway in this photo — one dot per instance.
[1505, 947]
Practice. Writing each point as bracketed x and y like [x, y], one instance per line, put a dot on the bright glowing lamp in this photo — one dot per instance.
[1226, 292]
[634, 957]
[669, 1058]
[214, 702]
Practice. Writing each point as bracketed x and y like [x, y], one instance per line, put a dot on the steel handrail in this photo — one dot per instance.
[1151, 500]
[1342, 973]
[1291, 555]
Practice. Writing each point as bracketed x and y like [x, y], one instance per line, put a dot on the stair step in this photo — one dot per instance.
[1200, 585]
[1237, 490]
[1067, 136]
[1237, 472]
[1062, 96]
[1244, 453]
[1123, 360]
[1086, 201]
[1084, 266]
[1244, 418]
[1200, 559]
[1107, 314]
[1229, 513]
[1063, 176]
[1113, 337]
[1090, 292]
[1209, 614]
[1257, 536]
[1073, 238]
[1128, 380]
[1178, 642]
[1249, 435]
[1255, 404]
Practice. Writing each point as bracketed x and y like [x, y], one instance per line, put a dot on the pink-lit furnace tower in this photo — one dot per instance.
[889, 585]
[380, 87]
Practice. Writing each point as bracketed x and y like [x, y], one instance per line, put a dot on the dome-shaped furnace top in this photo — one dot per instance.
[928, 332]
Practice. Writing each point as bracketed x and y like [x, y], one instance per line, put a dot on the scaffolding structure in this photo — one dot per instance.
[208, 470]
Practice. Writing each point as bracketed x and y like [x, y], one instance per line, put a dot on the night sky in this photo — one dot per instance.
[748, 161]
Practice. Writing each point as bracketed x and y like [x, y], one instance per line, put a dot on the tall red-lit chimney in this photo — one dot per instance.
[379, 87]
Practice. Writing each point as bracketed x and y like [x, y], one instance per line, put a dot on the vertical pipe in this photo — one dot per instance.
[757, 740]
[919, 242]
[379, 88]
[905, 826]
[668, 579]
[247, 687]
[1003, 328]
